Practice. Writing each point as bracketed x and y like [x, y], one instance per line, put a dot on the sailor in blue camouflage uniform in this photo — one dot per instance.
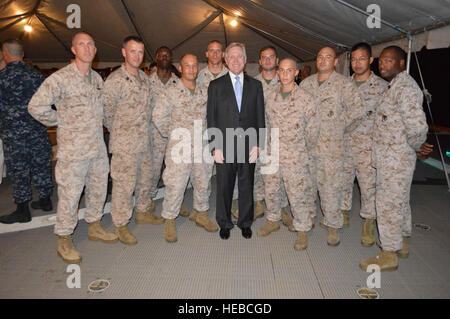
[25, 142]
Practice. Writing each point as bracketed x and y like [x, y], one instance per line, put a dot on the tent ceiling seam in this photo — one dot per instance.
[267, 36]
[253, 28]
[395, 27]
[147, 46]
[40, 18]
[22, 16]
[298, 26]
[50, 19]
[199, 28]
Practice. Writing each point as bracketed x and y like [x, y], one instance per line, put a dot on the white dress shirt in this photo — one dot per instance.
[233, 78]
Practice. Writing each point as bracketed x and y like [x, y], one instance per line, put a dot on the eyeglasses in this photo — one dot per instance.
[360, 59]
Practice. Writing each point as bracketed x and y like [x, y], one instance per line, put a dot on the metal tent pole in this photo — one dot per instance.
[408, 60]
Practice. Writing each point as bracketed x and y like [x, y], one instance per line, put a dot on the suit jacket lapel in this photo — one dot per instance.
[245, 92]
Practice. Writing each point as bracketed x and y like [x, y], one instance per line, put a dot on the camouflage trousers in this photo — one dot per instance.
[299, 189]
[25, 157]
[359, 165]
[72, 177]
[176, 177]
[159, 144]
[258, 187]
[327, 175]
[131, 173]
[392, 203]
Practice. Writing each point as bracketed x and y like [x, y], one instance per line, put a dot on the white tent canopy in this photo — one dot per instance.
[297, 28]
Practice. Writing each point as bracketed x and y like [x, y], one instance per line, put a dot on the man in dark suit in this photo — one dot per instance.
[236, 111]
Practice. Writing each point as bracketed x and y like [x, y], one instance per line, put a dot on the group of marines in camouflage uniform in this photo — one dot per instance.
[330, 129]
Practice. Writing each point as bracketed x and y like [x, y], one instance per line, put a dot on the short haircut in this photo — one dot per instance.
[236, 44]
[267, 47]
[81, 32]
[186, 54]
[362, 46]
[401, 54]
[214, 41]
[131, 38]
[164, 48]
[14, 47]
[152, 64]
[290, 59]
[334, 51]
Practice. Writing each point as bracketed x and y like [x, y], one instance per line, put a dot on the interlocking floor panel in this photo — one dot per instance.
[201, 265]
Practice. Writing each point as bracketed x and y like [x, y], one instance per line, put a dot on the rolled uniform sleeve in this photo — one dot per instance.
[416, 128]
[40, 105]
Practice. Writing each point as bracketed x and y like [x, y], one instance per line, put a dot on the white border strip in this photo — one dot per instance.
[49, 220]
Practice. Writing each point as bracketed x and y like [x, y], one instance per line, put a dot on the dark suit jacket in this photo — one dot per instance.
[223, 112]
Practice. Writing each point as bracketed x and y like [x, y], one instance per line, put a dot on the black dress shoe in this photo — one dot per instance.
[224, 233]
[247, 232]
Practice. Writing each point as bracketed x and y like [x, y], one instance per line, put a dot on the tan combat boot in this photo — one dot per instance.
[286, 218]
[258, 210]
[148, 218]
[235, 208]
[152, 207]
[66, 250]
[193, 215]
[386, 260]
[301, 243]
[202, 220]
[268, 227]
[97, 232]
[170, 231]
[125, 236]
[404, 252]
[346, 215]
[368, 233]
[184, 211]
[333, 236]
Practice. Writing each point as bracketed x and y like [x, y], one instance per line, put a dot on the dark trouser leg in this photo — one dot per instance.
[225, 177]
[18, 169]
[246, 176]
[39, 155]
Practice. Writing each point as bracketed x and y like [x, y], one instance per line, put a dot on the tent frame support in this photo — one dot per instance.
[298, 26]
[22, 16]
[40, 18]
[267, 36]
[147, 47]
[222, 20]
[259, 31]
[351, 6]
[199, 28]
